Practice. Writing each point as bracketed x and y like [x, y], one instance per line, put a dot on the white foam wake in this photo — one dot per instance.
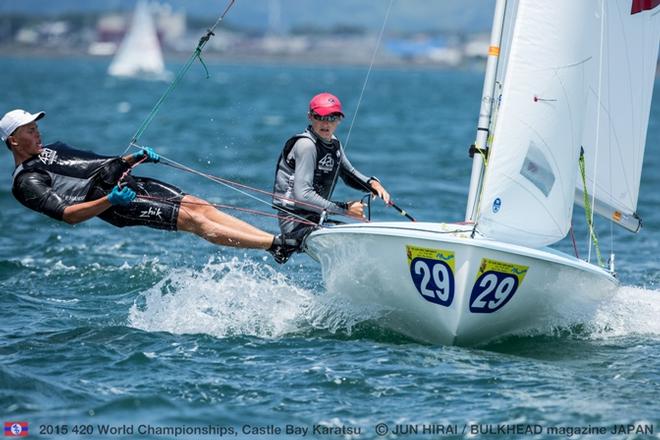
[247, 298]
[631, 311]
[239, 298]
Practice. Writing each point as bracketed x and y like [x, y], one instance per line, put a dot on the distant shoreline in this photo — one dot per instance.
[18, 51]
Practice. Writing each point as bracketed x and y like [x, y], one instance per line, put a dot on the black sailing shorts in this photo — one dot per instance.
[156, 206]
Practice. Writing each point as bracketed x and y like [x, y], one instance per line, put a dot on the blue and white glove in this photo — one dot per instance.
[152, 156]
[122, 196]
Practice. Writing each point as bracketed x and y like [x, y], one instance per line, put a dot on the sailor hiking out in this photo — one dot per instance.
[72, 185]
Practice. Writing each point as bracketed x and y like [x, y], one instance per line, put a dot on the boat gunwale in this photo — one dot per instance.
[421, 230]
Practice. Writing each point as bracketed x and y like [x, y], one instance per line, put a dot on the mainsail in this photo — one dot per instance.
[529, 185]
[139, 52]
[575, 75]
[626, 54]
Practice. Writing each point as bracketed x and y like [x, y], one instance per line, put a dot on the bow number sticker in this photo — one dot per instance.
[495, 285]
[432, 272]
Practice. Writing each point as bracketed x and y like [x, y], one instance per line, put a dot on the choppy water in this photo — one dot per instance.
[139, 327]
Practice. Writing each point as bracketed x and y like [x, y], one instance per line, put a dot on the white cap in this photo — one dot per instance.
[16, 118]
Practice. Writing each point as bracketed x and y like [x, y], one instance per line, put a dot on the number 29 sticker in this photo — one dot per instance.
[495, 285]
[432, 273]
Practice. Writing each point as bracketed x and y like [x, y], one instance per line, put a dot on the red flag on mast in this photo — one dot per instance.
[643, 5]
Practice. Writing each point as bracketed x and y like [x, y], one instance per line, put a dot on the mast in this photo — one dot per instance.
[485, 111]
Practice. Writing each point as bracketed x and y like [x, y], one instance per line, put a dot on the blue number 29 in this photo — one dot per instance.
[492, 291]
[434, 280]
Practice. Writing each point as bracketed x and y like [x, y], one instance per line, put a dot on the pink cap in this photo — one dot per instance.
[325, 104]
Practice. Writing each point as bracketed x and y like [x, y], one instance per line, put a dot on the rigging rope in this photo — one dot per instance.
[575, 248]
[587, 208]
[219, 205]
[197, 54]
[597, 140]
[234, 185]
[359, 103]
[237, 187]
[366, 78]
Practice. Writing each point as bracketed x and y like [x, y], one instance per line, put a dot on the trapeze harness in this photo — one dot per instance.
[62, 176]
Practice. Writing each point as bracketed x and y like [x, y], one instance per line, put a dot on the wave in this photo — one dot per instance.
[247, 298]
[631, 311]
[240, 298]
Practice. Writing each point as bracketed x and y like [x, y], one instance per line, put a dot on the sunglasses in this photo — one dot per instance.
[329, 118]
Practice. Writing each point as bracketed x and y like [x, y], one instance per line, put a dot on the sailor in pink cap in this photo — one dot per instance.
[308, 169]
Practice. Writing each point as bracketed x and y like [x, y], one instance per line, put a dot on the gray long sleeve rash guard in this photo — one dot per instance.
[304, 155]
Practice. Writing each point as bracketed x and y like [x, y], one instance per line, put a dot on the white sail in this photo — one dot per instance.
[139, 53]
[528, 191]
[619, 105]
[447, 283]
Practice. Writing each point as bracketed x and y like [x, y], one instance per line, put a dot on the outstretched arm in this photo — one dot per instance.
[34, 191]
[84, 211]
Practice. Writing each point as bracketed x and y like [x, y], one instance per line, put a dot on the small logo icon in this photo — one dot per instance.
[497, 205]
[151, 212]
[47, 156]
[327, 163]
[16, 429]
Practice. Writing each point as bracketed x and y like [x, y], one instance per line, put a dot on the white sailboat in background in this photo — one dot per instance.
[139, 54]
[566, 75]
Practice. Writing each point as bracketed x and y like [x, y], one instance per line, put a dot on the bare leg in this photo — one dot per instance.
[217, 216]
[201, 218]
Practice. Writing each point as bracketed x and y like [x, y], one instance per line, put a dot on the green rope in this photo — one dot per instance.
[197, 54]
[587, 208]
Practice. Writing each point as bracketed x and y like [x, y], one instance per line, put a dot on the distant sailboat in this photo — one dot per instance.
[139, 54]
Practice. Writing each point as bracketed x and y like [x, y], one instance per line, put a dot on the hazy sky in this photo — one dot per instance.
[408, 15]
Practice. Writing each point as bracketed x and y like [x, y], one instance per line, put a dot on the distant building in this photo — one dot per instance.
[423, 48]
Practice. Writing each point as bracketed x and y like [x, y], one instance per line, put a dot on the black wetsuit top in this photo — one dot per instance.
[62, 176]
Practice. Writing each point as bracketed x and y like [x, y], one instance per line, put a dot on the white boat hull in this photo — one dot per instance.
[438, 285]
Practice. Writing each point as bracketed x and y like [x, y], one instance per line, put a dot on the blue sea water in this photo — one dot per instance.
[136, 329]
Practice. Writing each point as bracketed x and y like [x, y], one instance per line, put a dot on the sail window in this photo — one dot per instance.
[537, 170]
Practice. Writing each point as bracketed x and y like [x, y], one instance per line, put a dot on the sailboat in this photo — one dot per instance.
[139, 54]
[567, 83]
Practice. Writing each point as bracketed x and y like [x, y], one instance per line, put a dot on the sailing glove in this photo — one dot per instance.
[152, 156]
[122, 196]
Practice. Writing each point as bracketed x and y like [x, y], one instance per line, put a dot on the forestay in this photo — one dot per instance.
[529, 185]
[619, 103]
